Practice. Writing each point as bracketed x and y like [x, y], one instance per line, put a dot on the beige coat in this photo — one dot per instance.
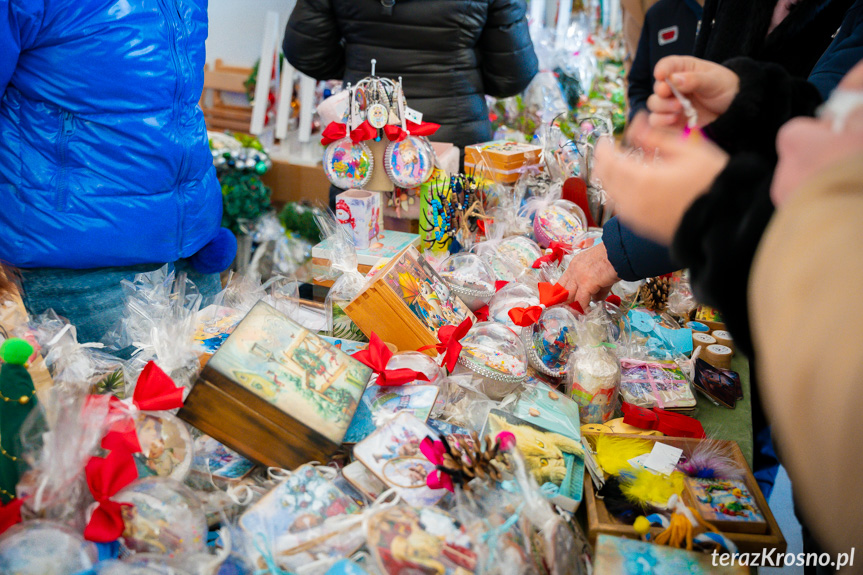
[806, 302]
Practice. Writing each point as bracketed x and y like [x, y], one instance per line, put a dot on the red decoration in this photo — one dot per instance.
[449, 337]
[558, 251]
[333, 132]
[363, 132]
[549, 295]
[434, 451]
[377, 356]
[156, 391]
[482, 313]
[667, 422]
[499, 285]
[10, 514]
[575, 190]
[106, 476]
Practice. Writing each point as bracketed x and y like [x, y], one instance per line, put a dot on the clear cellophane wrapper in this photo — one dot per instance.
[159, 322]
[276, 252]
[348, 282]
[57, 440]
[73, 365]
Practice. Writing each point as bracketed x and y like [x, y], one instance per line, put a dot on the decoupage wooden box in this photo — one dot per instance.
[600, 521]
[503, 158]
[406, 302]
[276, 392]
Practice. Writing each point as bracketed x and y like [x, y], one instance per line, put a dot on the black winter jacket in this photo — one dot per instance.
[449, 53]
[732, 28]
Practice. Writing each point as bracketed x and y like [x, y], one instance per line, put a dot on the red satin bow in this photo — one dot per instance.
[667, 422]
[333, 132]
[549, 295]
[449, 337]
[363, 132]
[156, 391]
[377, 356]
[558, 251]
[499, 285]
[396, 134]
[613, 300]
[434, 451]
[482, 313]
[106, 476]
[10, 514]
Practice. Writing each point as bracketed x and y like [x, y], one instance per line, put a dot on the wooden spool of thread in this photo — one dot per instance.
[717, 355]
[723, 338]
[702, 340]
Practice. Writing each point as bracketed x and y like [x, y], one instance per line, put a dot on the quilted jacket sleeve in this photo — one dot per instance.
[508, 60]
[313, 41]
[19, 24]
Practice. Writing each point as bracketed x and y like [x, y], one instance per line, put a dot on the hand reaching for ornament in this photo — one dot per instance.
[652, 196]
[709, 86]
[589, 276]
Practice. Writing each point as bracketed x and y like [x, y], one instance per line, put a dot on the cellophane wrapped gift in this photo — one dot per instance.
[495, 354]
[348, 281]
[469, 278]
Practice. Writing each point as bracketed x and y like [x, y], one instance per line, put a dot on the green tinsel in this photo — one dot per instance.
[244, 197]
[300, 219]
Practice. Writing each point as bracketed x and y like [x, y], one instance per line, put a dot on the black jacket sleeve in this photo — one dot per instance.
[768, 98]
[719, 235]
[313, 41]
[842, 54]
[508, 60]
[632, 256]
[641, 74]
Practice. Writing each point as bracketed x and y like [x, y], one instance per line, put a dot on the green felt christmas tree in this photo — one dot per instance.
[17, 399]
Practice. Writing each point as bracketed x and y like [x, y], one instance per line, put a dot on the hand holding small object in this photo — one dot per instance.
[706, 88]
[651, 198]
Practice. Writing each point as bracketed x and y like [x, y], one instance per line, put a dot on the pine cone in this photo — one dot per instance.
[464, 463]
[654, 293]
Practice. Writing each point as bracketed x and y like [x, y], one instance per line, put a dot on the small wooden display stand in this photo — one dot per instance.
[220, 116]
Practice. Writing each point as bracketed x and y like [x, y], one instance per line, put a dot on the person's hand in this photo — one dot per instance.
[651, 197]
[807, 146]
[589, 276]
[710, 87]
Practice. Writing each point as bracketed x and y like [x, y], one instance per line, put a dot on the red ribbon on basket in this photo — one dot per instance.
[449, 338]
[549, 295]
[667, 422]
[377, 356]
[554, 254]
[106, 476]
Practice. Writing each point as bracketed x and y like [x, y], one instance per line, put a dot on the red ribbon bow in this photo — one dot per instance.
[667, 422]
[156, 391]
[549, 295]
[482, 313]
[434, 451]
[334, 132]
[363, 132]
[377, 356]
[558, 251]
[396, 134]
[499, 285]
[449, 337]
[10, 514]
[106, 476]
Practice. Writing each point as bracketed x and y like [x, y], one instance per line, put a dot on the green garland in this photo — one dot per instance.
[244, 197]
[300, 219]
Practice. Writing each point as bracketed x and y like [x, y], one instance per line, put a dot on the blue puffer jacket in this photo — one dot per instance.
[103, 149]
